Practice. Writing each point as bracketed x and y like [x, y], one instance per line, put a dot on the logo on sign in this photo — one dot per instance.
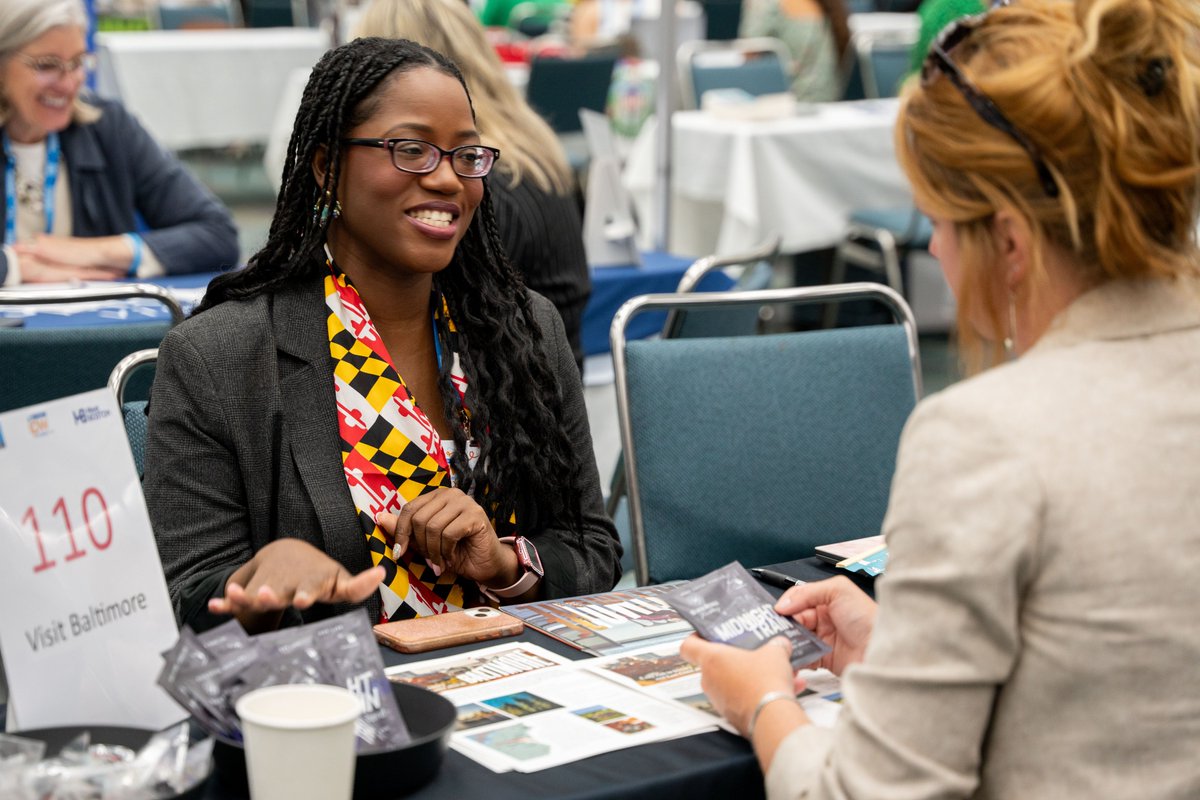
[39, 424]
[89, 414]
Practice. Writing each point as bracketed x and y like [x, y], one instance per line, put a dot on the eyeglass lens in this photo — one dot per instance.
[413, 155]
[53, 67]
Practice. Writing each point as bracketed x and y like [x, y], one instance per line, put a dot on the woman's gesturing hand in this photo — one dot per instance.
[289, 573]
[452, 532]
[837, 611]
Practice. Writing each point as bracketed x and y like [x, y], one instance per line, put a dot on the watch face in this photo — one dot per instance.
[527, 554]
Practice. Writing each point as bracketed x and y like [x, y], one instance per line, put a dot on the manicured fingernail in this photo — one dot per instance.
[397, 551]
[436, 570]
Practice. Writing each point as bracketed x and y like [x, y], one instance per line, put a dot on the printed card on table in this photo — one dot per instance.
[86, 607]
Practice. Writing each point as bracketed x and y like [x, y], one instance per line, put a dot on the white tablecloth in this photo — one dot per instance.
[205, 88]
[734, 183]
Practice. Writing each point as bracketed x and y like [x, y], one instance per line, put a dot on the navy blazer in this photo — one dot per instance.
[117, 172]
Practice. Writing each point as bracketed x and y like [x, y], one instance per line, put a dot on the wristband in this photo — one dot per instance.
[135, 242]
[763, 702]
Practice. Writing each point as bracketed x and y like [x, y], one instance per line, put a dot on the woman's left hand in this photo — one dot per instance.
[453, 532]
[735, 679]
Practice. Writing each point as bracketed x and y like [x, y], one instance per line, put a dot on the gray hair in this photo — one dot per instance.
[23, 21]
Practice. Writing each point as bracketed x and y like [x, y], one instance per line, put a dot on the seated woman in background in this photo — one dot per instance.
[78, 174]
[375, 404]
[817, 34]
[1036, 633]
[531, 190]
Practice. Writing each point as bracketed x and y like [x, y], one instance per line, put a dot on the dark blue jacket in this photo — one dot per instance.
[116, 170]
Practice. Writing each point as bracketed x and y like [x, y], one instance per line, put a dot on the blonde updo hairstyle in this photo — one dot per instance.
[1109, 93]
[25, 21]
[528, 146]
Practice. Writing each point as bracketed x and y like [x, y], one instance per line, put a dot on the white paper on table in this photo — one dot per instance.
[86, 607]
[545, 715]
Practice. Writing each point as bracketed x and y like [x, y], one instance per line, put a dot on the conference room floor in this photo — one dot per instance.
[239, 180]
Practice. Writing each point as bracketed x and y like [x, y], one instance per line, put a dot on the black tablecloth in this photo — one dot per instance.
[715, 764]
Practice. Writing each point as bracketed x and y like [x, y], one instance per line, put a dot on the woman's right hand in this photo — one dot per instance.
[289, 573]
[837, 611]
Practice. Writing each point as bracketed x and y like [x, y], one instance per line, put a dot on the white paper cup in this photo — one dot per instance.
[299, 741]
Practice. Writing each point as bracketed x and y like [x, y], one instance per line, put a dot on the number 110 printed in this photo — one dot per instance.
[96, 520]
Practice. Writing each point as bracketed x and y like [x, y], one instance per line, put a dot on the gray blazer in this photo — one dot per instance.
[243, 448]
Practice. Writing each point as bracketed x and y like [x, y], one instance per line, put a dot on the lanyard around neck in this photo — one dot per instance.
[49, 181]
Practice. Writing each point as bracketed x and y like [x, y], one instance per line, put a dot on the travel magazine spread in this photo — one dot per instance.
[609, 623]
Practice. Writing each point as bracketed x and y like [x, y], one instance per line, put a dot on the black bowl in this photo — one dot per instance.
[134, 738]
[391, 773]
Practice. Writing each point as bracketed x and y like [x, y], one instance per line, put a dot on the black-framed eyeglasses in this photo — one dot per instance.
[52, 68]
[938, 60]
[420, 157]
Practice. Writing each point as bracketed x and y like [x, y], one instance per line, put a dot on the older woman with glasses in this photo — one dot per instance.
[88, 194]
[375, 412]
[1036, 633]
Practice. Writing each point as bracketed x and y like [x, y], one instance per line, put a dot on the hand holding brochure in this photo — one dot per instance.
[728, 606]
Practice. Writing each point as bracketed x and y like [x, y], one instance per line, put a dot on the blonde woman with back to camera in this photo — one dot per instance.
[1036, 633]
[532, 189]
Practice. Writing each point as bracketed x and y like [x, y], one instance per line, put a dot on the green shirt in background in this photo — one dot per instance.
[495, 13]
[936, 15]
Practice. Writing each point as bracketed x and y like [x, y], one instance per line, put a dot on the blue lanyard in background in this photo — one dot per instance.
[49, 181]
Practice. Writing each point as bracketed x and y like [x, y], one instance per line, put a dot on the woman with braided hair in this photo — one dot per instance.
[1036, 633]
[375, 411]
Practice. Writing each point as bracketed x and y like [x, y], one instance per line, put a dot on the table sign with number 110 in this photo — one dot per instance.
[86, 611]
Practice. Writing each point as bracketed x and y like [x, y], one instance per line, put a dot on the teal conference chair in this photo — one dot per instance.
[756, 270]
[40, 364]
[133, 411]
[757, 66]
[760, 448]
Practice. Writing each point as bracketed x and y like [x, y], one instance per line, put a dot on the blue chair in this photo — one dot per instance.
[559, 87]
[40, 364]
[760, 448]
[133, 411]
[218, 14]
[757, 66]
[756, 273]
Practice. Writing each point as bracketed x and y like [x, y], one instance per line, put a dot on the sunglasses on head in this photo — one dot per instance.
[938, 61]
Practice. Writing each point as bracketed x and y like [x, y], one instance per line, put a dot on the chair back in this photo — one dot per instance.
[757, 66]
[559, 87]
[196, 15]
[133, 412]
[742, 320]
[884, 59]
[43, 363]
[276, 14]
[760, 448]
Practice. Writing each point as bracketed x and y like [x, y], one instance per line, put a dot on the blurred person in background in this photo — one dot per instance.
[816, 32]
[532, 188]
[88, 193]
[1036, 633]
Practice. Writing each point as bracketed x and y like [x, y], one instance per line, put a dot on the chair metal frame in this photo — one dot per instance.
[31, 297]
[688, 51]
[767, 251]
[118, 380]
[792, 296]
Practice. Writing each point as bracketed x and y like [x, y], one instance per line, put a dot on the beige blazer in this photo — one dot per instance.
[1039, 625]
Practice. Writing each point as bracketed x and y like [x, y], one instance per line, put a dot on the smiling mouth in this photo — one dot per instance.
[436, 219]
[54, 101]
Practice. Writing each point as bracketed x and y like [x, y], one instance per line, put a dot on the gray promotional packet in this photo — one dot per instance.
[729, 606]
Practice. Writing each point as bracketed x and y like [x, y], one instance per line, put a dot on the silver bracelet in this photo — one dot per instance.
[763, 702]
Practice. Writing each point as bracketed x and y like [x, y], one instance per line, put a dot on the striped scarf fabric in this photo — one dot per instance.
[391, 452]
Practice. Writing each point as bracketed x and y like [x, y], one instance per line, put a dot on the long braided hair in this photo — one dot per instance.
[525, 461]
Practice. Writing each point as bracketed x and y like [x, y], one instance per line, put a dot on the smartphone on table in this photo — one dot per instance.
[445, 630]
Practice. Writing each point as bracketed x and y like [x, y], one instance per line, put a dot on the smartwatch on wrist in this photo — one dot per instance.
[527, 561]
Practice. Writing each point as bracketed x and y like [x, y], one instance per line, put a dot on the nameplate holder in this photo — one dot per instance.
[86, 610]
